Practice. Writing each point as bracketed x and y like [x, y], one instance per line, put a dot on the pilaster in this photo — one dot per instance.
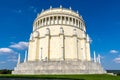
[88, 49]
[83, 46]
[41, 54]
[30, 48]
[75, 44]
[48, 43]
[62, 44]
[37, 47]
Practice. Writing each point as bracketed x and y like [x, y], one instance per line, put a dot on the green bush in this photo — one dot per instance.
[118, 74]
[5, 71]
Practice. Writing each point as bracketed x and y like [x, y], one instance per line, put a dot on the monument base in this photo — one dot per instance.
[59, 67]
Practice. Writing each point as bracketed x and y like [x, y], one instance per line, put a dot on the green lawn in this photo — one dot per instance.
[75, 77]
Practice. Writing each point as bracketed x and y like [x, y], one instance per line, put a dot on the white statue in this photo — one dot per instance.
[70, 8]
[50, 7]
[61, 30]
[25, 59]
[88, 38]
[60, 6]
[36, 34]
[94, 56]
[18, 59]
[42, 10]
[99, 58]
[47, 31]
[77, 12]
[31, 37]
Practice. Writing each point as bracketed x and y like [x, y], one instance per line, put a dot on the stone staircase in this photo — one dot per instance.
[59, 67]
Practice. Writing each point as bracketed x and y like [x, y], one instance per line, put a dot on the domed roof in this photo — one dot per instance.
[59, 10]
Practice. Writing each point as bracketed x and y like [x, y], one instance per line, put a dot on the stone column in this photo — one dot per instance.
[68, 20]
[37, 48]
[81, 25]
[45, 21]
[75, 23]
[53, 20]
[75, 44]
[65, 19]
[30, 48]
[36, 25]
[36, 45]
[62, 44]
[72, 21]
[88, 49]
[42, 22]
[48, 20]
[57, 20]
[41, 53]
[78, 23]
[60, 22]
[48, 43]
[83, 41]
[62, 19]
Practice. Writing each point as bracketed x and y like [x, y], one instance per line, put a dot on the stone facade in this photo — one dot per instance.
[59, 67]
[59, 34]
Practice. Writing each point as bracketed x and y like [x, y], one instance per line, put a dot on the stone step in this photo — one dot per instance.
[55, 67]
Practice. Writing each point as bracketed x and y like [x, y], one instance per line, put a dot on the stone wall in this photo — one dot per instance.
[59, 67]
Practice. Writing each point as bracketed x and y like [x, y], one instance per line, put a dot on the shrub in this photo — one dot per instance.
[5, 71]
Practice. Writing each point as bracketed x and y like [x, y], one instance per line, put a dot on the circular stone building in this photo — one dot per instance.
[59, 34]
[59, 44]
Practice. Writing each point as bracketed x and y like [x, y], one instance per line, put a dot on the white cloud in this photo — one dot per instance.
[2, 62]
[12, 60]
[6, 50]
[102, 57]
[18, 11]
[117, 60]
[113, 51]
[33, 9]
[12, 56]
[20, 45]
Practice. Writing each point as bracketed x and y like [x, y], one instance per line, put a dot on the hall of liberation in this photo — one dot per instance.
[59, 44]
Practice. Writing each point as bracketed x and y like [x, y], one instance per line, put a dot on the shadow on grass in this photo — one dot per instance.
[39, 79]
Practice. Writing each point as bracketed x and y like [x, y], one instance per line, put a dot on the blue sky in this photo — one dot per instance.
[102, 18]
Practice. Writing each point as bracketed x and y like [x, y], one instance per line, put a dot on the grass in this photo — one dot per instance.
[70, 77]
